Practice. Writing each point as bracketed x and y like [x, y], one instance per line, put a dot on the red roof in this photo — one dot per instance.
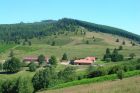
[89, 60]
[32, 58]
[83, 61]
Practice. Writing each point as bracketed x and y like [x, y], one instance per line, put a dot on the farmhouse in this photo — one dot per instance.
[85, 61]
[33, 58]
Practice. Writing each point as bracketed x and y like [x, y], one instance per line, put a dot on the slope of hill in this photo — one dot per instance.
[16, 32]
[70, 36]
[75, 45]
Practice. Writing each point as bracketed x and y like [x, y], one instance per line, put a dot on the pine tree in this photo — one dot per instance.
[120, 47]
[53, 43]
[117, 40]
[64, 57]
[123, 43]
[87, 42]
[107, 55]
[53, 61]
[11, 54]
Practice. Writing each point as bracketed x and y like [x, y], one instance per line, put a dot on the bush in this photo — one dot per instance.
[132, 67]
[43, 78]
[100, 71]
[1, 66]
[32, 67]
[9, 86]
[115, 69]
[24, 85]
[108, 59]
[120, 74]
[12, 65]
[41, 59]
[120, 47]
[64, 57]
[138, 60]
[68, 74]
[97, 79]
[132, 55]
[126, 68]
[138, 66]
[53, 61]
[20, 85]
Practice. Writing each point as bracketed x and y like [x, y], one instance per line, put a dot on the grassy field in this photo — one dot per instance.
[73, 45]
[128, 85]
[27, 74]
[5, 47]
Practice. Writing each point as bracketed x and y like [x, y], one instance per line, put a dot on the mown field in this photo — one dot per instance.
[128, 85]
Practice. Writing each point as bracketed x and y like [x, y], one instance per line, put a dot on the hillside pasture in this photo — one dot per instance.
[73, 45]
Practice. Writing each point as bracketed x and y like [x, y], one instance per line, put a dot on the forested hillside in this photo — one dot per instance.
[16, 32]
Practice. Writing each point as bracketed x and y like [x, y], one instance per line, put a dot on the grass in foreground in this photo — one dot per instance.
[96, 79]
[128, 85]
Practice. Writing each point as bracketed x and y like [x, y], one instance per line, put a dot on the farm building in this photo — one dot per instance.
[85, 61]
[32, 58]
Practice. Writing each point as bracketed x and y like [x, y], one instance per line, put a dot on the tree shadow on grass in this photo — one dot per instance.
[7, 72]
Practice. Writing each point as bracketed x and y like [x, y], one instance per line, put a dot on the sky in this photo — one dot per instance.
[124, 14]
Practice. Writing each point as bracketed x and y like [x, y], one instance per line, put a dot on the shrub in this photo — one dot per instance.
[1, 66]
[12, 65]
[87, 42]
[20, 85]
[120, 47]
[41, 59]
[132, 67]
[100, 71]
[68, 74]
[53, 43]
[108, 59]
[114, 69]
[43, 78]
[123, 43]
[126, 68]
[32, 67]
[53, 61]
[138, 66]
[9, 86]
[120, 74]
[117, 40]
[138, 60]
[132, 55]
[97, 79]
[24, 85]
[64, 57]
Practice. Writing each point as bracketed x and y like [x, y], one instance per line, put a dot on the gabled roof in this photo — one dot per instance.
[83, 61]
[89, 60]
[33, 58]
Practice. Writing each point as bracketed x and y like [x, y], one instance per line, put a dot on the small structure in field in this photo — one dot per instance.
[85, 61]
[34, 59]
